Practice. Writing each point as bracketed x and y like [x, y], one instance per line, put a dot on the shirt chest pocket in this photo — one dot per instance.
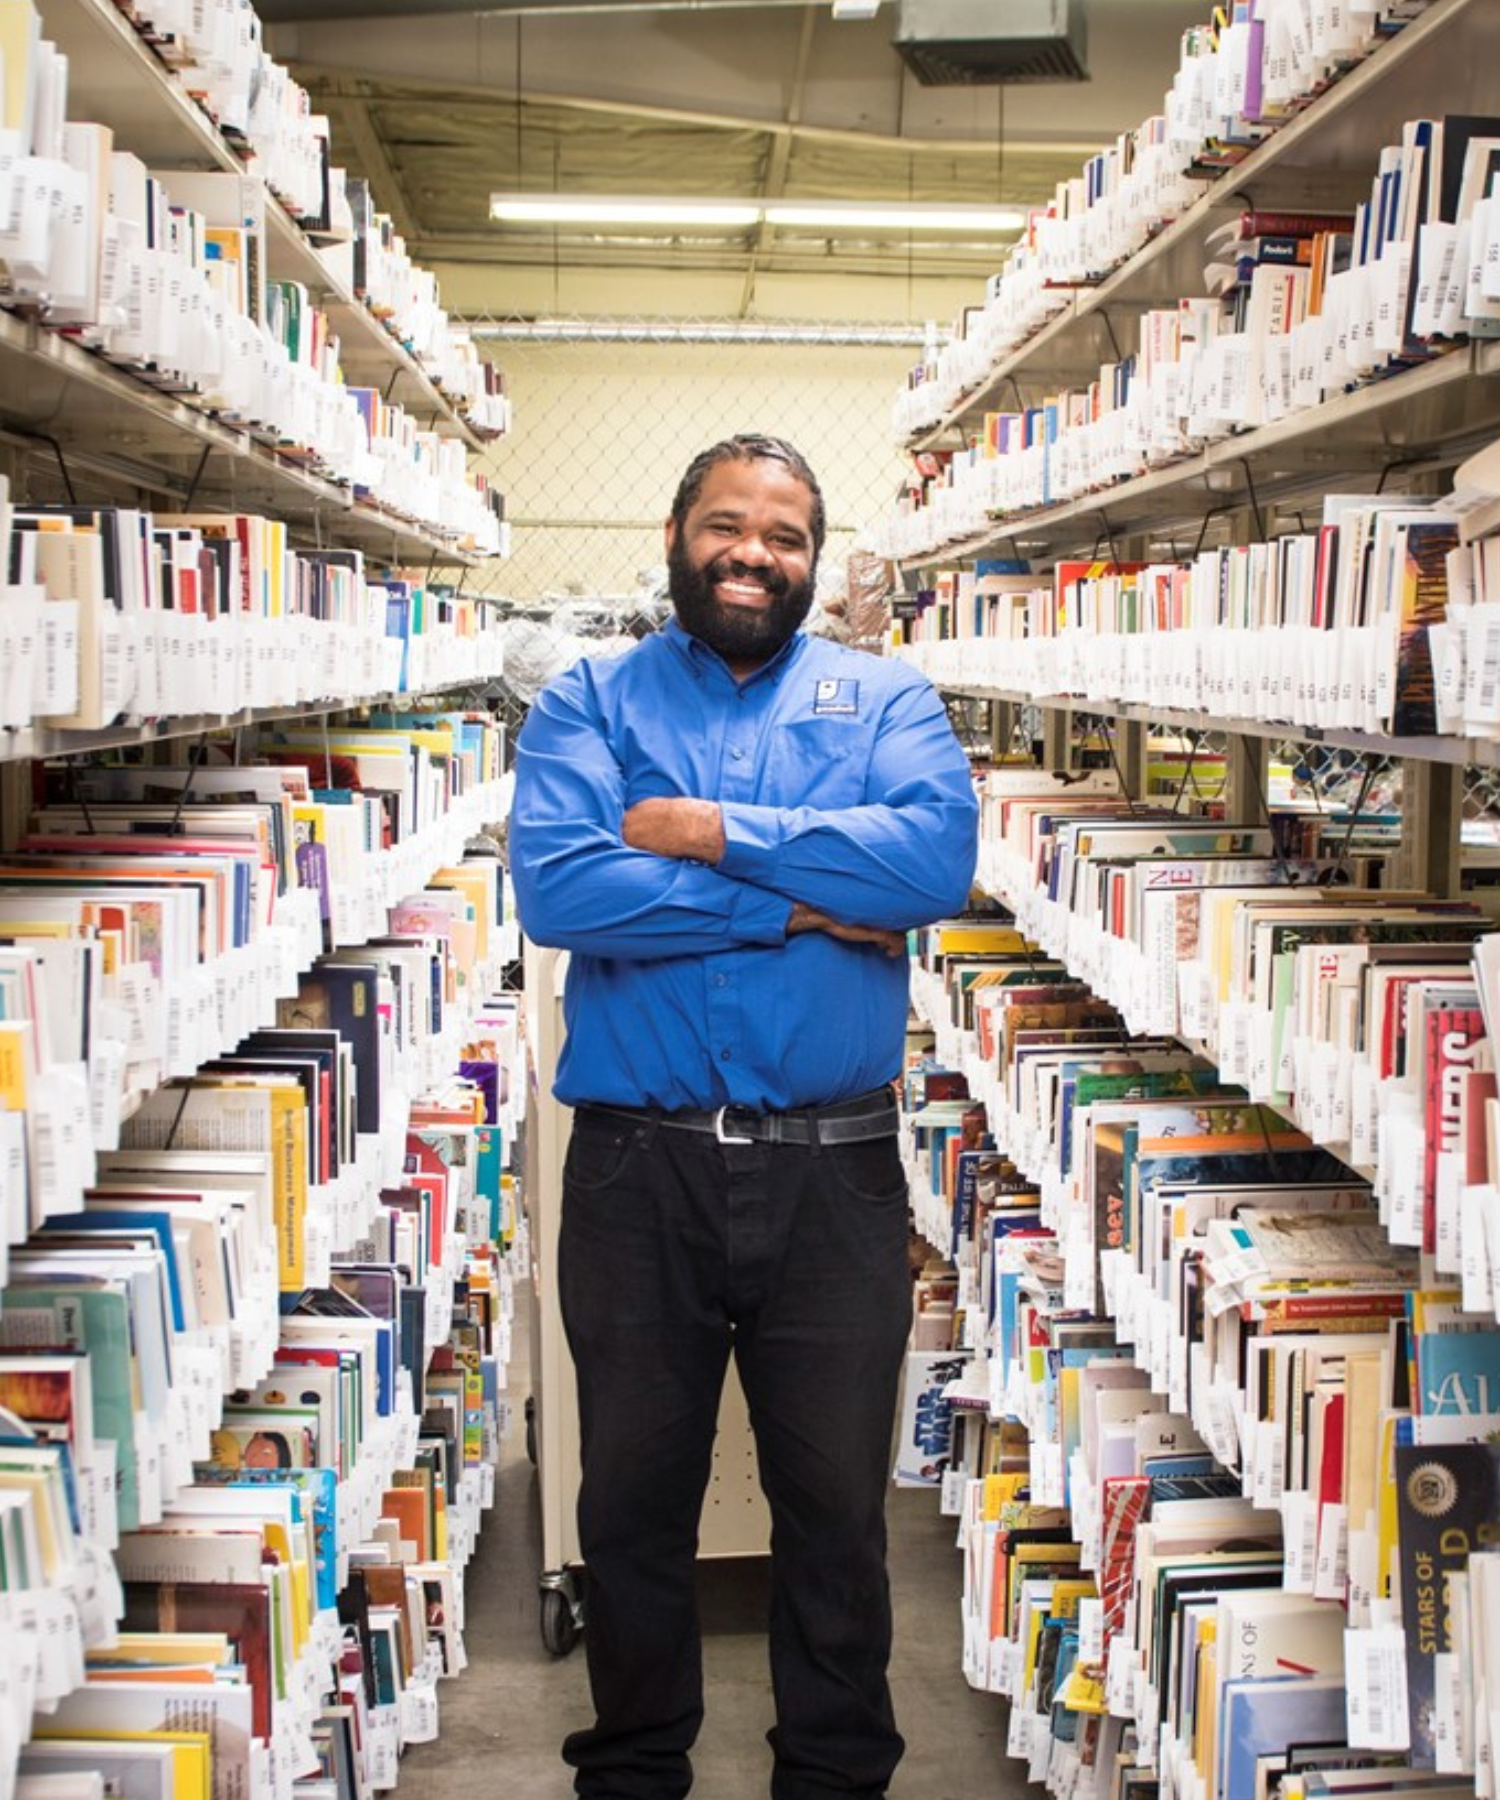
[816, 762]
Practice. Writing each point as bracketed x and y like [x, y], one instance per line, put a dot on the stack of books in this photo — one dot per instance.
[154, 916]
[1314, 305]
[1248, 1535]
[166, 274]
[1239, 77]
[117, 615]
[1379, 621]
[253, 1346]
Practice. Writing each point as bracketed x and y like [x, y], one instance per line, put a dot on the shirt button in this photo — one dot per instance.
[724, 1055]
[737, 754]
[721, 981]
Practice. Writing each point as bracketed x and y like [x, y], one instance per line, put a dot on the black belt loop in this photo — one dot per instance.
[646, 1131]
[814, 1135]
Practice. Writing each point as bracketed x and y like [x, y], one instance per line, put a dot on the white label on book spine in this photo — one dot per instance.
[1299, 1521]
[1451, 1715]
[1375, 1674]
[1333, 1552]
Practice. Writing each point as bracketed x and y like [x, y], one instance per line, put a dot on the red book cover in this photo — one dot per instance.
[1353, 1310]
[1124, 1502]
[1478, 1087]
[1067, 575]
[240, 1610]
[1289, 224]
[1328, 544]
[1331, 1474]
[1453, 1035]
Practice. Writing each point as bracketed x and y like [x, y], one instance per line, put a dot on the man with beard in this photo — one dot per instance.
[732, 827]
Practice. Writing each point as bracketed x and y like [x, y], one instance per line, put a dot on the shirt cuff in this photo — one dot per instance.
[760, 917]
[752, 841]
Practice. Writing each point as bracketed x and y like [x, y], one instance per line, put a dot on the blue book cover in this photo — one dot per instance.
[1458, 1373]
[114, 1221]
[1261, 1716]
[315, 1487]
[489, 1169]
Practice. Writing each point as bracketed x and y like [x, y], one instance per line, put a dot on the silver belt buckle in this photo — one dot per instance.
[721, 1135]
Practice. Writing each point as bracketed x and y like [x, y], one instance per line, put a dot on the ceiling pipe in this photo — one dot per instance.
[697, 331]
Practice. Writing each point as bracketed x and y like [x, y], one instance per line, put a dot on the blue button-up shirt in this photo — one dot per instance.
[841, 786]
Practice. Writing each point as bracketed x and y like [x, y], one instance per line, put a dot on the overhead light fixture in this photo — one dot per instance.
[856, 216]
[855, 9]
[739, 215]
[553, 209]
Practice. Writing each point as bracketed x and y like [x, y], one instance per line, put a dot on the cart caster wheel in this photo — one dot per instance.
[561, 1624]
[531, 1431]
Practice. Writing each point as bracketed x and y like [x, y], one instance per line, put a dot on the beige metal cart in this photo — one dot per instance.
[735, 1519]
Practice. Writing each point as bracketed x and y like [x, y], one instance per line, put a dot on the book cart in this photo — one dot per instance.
[1077, 675]
[349, 938]
[735, 1519]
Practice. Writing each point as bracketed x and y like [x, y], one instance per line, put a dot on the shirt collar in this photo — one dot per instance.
[702, 660]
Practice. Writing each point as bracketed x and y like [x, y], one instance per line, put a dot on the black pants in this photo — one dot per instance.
[675, 1251]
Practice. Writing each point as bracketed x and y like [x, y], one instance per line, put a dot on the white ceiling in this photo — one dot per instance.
[440, 108]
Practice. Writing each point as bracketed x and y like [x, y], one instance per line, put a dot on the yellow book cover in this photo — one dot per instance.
[192, 1756]
[15, 1063]
[1033, 1646]
[289, 1165]
[1206, 1701]
[981, 940]
[152, 1647]
[1388, 1535]
[275, 566]
[286, 1138]
[279, 1543]
[439, 1525]
[20, 29]
[1084, 1692]
[1000, 1490]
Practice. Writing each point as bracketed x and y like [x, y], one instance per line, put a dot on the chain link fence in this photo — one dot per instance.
[609, 416]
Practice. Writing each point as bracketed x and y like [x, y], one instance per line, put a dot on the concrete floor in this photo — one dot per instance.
[503, 1720]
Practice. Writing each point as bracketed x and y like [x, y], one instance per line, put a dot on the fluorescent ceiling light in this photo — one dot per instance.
[547, 209]
[738, 215]
[855, 9]
[854, 216]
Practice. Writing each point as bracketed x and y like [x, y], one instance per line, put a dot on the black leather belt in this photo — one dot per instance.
[871, 1115]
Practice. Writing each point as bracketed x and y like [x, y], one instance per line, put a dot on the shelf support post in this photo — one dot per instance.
[1245, 778]
[1432, 806]
[1057, 737]
[1131, 738]
[1002, 728]
[15, 803]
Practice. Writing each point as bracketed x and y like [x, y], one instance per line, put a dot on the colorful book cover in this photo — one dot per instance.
[1458, 1373]
[1260, 1715]
[925, 1441]
[1424, 602]
[1447, 1505]
[1453, 1035]
[1124, 1503]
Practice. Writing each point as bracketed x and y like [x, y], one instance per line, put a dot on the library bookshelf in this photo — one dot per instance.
[257, 1211]
[1173, 1602]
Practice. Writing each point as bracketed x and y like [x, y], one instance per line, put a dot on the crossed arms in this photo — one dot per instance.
[679, 875]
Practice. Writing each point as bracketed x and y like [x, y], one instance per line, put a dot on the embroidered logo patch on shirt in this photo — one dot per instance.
[835, 696]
